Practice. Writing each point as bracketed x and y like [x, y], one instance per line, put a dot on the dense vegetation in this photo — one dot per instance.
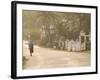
[64, 25]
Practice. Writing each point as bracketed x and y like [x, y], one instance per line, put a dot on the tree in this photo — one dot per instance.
[47, 22]
[69, 27]
[85, 22]
[54, 25]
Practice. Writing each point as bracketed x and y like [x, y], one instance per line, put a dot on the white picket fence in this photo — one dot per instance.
[75, 45]
[71, 45]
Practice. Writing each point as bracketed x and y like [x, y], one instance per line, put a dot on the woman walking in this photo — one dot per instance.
[31, 48]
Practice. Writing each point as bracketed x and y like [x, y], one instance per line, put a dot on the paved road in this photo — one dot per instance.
[50, 58]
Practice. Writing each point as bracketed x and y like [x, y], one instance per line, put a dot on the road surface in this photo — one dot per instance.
[50, 58]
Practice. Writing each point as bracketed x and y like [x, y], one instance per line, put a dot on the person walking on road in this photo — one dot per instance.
[31, 47]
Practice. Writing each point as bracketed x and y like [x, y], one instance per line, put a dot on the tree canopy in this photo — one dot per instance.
[65, 24]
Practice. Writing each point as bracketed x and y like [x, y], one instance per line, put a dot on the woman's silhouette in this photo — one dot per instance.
[31, 46]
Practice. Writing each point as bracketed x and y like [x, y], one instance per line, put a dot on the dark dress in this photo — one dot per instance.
[31, 50]
[31, 47]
